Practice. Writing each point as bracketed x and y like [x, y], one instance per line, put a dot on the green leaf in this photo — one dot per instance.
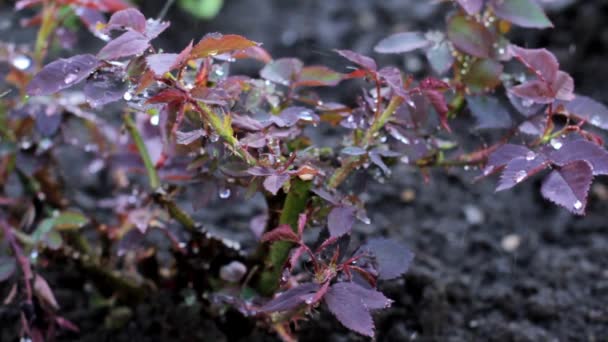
[469, 36]
[525, 13]
[483, 75]
[70, 221]
[202, 9]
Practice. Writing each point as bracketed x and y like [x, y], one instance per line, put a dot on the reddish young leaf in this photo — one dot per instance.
[365, 62]
[351, 305]
[167, 96]
[283, 232]
[128, 44]
[438, 102]
[129, 18]
[569, 185]
[291, 299]
[592, 111]
[525, 13]
[469, 36]
[471, 6]
[402, 42]
[340, 220]
[393, 259]
[44, 292]
[565, 152]
[66, 324]
[283, 71]
[254, 52]
[214, 44]
[540, 61]
[61, 74]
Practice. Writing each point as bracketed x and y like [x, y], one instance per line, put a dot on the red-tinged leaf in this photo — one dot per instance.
[565, 152]
[365, 62]
[351, 305]
[525, 13]
[432, 83]
[438, 102]
[66, 324]
[440, 57]
[61, 74]
[471, 6]
[483, 76]
[569, 185]
[291, 299]
[540, 61]
[167, 96]
[469, 36]
[563, 87]
[489, 112]
[318, 76]
[402, 42]
[187, 138]
[162, 63]
[21, 4]
[8, 266]
[392, 258]
[104, 87]
[340, 220]
[254, 52]
[283, 71]
[44, 292]
[216, 44]
[519, 169]
[129, 18]
[295, 256]
[283, 232]
[590, 110]
[274, 183]
[128, 44]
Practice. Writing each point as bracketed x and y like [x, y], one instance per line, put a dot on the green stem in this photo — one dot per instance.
[295, 204]
[143, 151]
[176, 212]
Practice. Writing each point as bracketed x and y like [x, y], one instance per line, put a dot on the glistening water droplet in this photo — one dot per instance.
[556, 144]
[224, 193]
[520, 175]
[578, 205]
[128, 96]
[530, 156]
[154, 120]
[21, 62]
[69, 78]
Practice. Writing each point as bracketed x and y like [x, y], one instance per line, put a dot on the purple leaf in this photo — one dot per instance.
[8, 265]
[525, 13]
[524, 107]
[562, 88]
[291, 115]
[282, 71]
[103, 88]
[61, 74]
[471, 6]
[393, 259]
[353, 151]
[326, 195]
[565, 152]
[351, 304]
[274, 183]
[569, 185]
[128, 44]
[592, 111]
[155, 27]
[440, 57]
[129, 18]
[505, 153]
[402, 42]
[258, 225]
[469, 36]
[488, 112]
[340, 220]
[365, 62]
[291, 298]
[162, 63]
[48, 121]
[540, 61]
[392, 77]
[520, 169]
[187, 138]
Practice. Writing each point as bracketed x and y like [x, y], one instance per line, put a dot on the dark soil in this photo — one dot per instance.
[489, 267]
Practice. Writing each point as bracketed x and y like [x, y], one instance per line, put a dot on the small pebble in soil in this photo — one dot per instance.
[233, 272]
[473, 214]
[408, 195]
[510, 242]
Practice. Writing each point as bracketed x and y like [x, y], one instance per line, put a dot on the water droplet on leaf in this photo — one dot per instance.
[556, 144]
[21, 62]
[69, 78]
[530, 156]
[578, 205]
[224, 193]
[520, 175]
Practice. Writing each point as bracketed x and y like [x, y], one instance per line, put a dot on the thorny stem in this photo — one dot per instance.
[353, 162]
[143, 151]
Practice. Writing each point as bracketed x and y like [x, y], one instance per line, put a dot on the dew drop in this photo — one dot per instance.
[595, 120]
[578, 205]
[224, 193]
[306, 116]
[520, 175]
[556, 144]
[128, 96]
[405, 159]
[527, 103]
[530, 156]
[154, 120]
[214, 137]
[70, 78]
[22, 62]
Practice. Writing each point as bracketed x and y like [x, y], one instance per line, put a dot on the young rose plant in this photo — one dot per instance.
[194, 126]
